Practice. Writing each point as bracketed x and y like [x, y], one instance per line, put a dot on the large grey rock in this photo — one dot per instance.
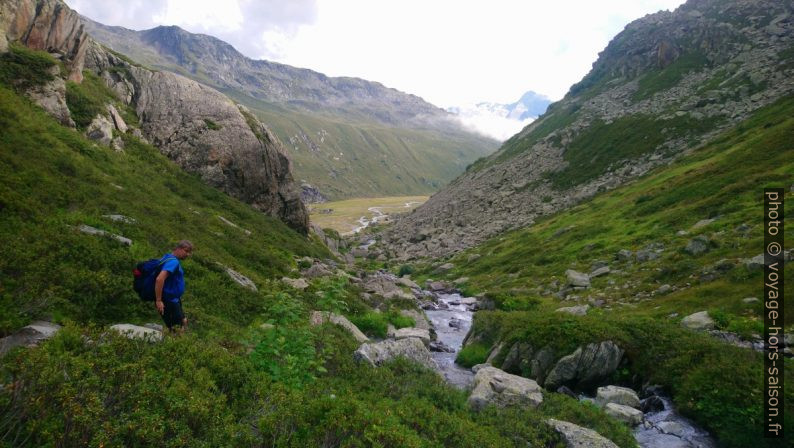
[585, 367]
[623, 255]
[321, 317]
[100, 130]
[205, 133]
[579, 310]
[121, 218]
[379, 352]
[316, 270]
[118, 122]
[445, 267]
[702, 223]
[29, 336]
[575, 436]
[626, 414]
[698, 321]
[51, 97]
[576, 278]
[419, 333]
[493, 386]
[137, 332]
[359, 252]
[756, 263]
[240, 279]
[697, 245]
[618, 395]
[94, 231]
[598, 272]
[405, 281]
[297, 283]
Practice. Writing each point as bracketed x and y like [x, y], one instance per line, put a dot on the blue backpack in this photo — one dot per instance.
[144, 276]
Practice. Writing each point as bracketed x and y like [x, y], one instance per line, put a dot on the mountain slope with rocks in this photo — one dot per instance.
[347, 136]
[194, 125]
[668, 83]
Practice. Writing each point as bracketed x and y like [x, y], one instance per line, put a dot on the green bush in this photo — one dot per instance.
[211, 125]
[405, 269]
[95, 389]
[88, 99]
[473, 354]
[23, 68]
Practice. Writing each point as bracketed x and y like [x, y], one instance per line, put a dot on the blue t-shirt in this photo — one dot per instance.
[174, 285]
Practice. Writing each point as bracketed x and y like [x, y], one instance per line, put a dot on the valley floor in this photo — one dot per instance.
[346, 216]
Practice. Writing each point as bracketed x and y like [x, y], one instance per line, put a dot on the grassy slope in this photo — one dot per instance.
[360, 159]
[229, 381]
[714, 383]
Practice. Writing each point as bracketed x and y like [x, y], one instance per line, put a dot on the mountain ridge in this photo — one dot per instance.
[668, 83]
[347, 137]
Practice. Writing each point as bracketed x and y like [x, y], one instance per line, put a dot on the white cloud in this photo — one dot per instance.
[491, 123]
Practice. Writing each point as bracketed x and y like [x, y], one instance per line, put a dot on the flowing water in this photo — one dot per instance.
[455, 309]
[378, 216]
[668, 429]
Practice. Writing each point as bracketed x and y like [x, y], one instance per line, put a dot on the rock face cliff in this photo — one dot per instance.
[666, 84]
[196, 126]
[45, 25]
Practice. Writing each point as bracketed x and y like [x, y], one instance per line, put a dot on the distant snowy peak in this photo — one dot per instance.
[501, 121]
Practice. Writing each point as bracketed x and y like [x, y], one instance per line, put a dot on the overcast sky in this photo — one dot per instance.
[449, 52]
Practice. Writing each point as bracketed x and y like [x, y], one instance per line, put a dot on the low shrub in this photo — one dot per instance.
[472, 354]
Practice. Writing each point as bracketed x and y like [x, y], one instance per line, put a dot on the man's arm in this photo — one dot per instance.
[158, 290]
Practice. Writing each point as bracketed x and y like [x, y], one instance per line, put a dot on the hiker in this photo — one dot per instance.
[170, 285]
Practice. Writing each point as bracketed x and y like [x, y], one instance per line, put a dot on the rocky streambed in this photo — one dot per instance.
[657, 425]
[451, 318]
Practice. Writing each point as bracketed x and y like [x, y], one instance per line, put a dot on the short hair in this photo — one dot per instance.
[184, 244]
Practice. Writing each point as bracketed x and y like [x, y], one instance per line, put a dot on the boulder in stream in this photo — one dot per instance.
[377, 353]
[576, 436]
[495, 386]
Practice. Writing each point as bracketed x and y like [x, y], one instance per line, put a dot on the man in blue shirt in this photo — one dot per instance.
[170, 285]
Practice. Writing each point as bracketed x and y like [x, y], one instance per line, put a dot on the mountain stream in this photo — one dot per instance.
[451, 318]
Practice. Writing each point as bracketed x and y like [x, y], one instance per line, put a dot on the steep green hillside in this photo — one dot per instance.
[655, 218]
[346, 158]
[250, 371]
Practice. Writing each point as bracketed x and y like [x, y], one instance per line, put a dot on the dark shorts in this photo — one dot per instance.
[172, 314]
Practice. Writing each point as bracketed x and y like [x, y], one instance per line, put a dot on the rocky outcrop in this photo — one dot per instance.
[698, 321]
[496, 387]
[51, 97]
[412, 349]
[311, 195]
[618, 395]
[321, 317]
[207, 134]
[585, 368]
[739, 64]
[575, 436]
[47, 25]
[297, 283]
[411, 332]
[626, 414]
[29, 336]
